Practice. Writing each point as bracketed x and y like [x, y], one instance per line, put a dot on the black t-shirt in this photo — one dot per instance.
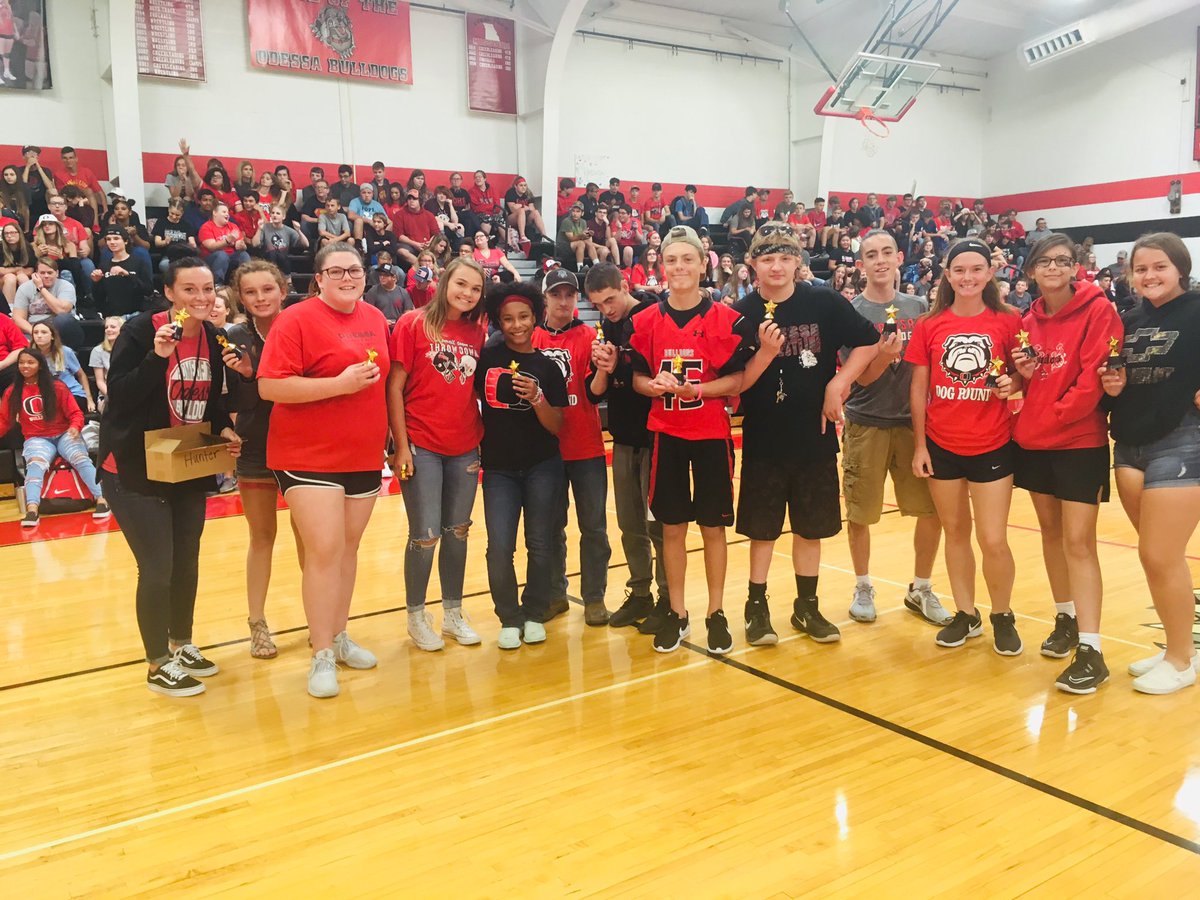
[513, 438]
[1162, 369]
[313, 207]
[177, 233]
[612, 199]
[816, 322]
[627, 409]
[842, 257]
[460, 198]
[511, 196]
[589, 207]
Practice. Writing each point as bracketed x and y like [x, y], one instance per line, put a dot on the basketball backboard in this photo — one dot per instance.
[884, 86]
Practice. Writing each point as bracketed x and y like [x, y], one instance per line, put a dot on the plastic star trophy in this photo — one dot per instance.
[1116, 361]
[997, 367]
[180, 317]
[1026, 347]
[677, 369]
[228, 347]
[889, 327]
[769, 308]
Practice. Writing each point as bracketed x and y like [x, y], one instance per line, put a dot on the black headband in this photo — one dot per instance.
[969, 246]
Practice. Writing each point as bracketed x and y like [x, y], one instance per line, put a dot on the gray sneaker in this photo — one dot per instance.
[925, 603]
[862, 609]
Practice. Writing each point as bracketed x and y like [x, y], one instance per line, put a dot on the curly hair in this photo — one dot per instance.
[498, 293]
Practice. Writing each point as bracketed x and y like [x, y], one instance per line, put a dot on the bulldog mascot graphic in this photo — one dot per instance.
[333, 28]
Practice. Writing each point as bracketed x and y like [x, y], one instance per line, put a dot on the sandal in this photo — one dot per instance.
[261, 645]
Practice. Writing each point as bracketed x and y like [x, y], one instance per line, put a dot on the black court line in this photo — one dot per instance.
[245, 640]
[966, 756]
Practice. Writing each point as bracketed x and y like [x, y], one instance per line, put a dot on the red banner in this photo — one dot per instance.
[170, 39]
[491, 64]
[367, 39]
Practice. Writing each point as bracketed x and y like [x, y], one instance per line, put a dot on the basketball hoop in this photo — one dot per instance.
[872, 122]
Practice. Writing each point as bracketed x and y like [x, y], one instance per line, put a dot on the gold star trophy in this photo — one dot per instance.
[997, 367]
[514, 367]
[889, 327]
[1116, 361]
[223, 342]
[1026, 347]
[180, 317]
[371, 354]
[677, 369]
[769, 310]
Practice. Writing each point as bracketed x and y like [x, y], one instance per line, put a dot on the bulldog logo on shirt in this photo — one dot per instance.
[965, 356]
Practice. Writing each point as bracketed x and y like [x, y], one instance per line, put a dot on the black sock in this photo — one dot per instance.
[806, 587]
[758, 591]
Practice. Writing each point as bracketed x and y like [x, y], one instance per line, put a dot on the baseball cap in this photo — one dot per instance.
[47, 217]
[34, 147]
[682, 234]
[386, 269]
[557, 277]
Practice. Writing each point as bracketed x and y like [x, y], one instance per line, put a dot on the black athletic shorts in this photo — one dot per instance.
[675, 464]
[981, 468]
[355, 485]
[1078, 476]
[808, 491]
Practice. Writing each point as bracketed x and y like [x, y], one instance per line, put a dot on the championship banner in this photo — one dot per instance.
[491, 64]
[367, 39]
[24, 46]
[170, 39]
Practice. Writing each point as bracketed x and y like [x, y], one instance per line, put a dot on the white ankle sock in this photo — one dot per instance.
[1068, 608]
[922, 584]
[1092, 640]
[862, 581]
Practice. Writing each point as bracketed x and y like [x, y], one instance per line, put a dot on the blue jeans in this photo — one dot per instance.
[537, 491]
[438, 499]
[588, 481]
[222, 263]
[39, 453]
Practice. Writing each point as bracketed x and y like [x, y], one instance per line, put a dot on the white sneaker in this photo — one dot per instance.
[456, 624]
[420, 629]
[862, 607]
[510, 638]
[925, 603]
[1142, 666]
[535, 632]
[350, 654]
[1164, 678]
[322, 675]
[386, 472]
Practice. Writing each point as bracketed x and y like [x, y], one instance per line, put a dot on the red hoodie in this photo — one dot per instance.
[67, 413]
[1062, 400]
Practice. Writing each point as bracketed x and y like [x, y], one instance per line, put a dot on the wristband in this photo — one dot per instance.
[699, 391]
[538, 397]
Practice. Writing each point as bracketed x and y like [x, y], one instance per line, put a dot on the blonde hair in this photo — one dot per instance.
[107, 346]
[436, 313]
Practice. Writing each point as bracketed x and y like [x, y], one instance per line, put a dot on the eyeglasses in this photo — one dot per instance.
[1062, 262]
[337, 273]
[775, 228]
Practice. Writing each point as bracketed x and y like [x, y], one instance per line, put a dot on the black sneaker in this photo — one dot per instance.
[1086, 672]
[31, 519]
[632, 611]
[671, 632]
[654, 620]
[807, 618]
[170, 679]
[759, 632]
[558, 606]
[102, 510]
[720, 641]
[192, 661]
[1063, 639]
[1005, 639]
[962, 626]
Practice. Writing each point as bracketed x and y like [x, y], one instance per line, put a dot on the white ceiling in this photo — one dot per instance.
[976, 29]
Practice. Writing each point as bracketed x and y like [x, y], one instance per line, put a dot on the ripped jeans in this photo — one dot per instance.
[438, 499]
[39, 454]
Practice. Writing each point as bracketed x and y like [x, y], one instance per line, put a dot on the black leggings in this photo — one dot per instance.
[164, 535]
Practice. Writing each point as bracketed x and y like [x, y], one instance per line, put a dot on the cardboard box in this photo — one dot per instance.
[186, 452]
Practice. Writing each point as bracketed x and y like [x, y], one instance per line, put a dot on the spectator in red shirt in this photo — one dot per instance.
[483, 202]
[80, 236]
[224, 244]
[628, 233]
[565, 186]
[248, 216]
[84, 179]
[414, 227]
[12, 342]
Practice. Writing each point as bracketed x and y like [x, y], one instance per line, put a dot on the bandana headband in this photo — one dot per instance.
[765, 249]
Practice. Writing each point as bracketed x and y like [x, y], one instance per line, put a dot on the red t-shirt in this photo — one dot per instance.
[656, 210]
[571, 351]
[67, 413]
[229, 198]
[441, 410]
[816, 218]
[75, 230]
[628, 234]
[491, 260]
[247, 220]
[963, 415]
[419, 226]
[11, 337]
[639, 276]
[189, 375]
[706, 344]
[420, 294]
[84, 179]
[564, 206]
[210, 231]
[346, 433]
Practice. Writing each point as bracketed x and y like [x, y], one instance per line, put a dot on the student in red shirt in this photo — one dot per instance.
[628, 233]
[50, 422]
[648, 274]
[324, 367]
[224, 243]
[414, 227]
[1062, 448]
[568, 341]
[962, 432]
[436, 426]
[688, 355]
[157, 381]
[84, 179]
[483, 203]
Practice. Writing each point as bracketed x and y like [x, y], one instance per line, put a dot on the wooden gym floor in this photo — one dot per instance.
[590, 765]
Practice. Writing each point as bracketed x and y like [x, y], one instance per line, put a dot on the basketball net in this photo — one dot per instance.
[872, 122]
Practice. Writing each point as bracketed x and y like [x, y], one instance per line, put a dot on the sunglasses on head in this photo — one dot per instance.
[775, 228]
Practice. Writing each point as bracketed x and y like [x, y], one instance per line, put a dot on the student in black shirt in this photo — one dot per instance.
[613, 198]
[522, 392]
[1156, 425]
[792, 396]
[612, 380]
[123, 283]
[172, 236]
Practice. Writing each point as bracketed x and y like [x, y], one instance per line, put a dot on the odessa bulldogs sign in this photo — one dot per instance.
[368, 39]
